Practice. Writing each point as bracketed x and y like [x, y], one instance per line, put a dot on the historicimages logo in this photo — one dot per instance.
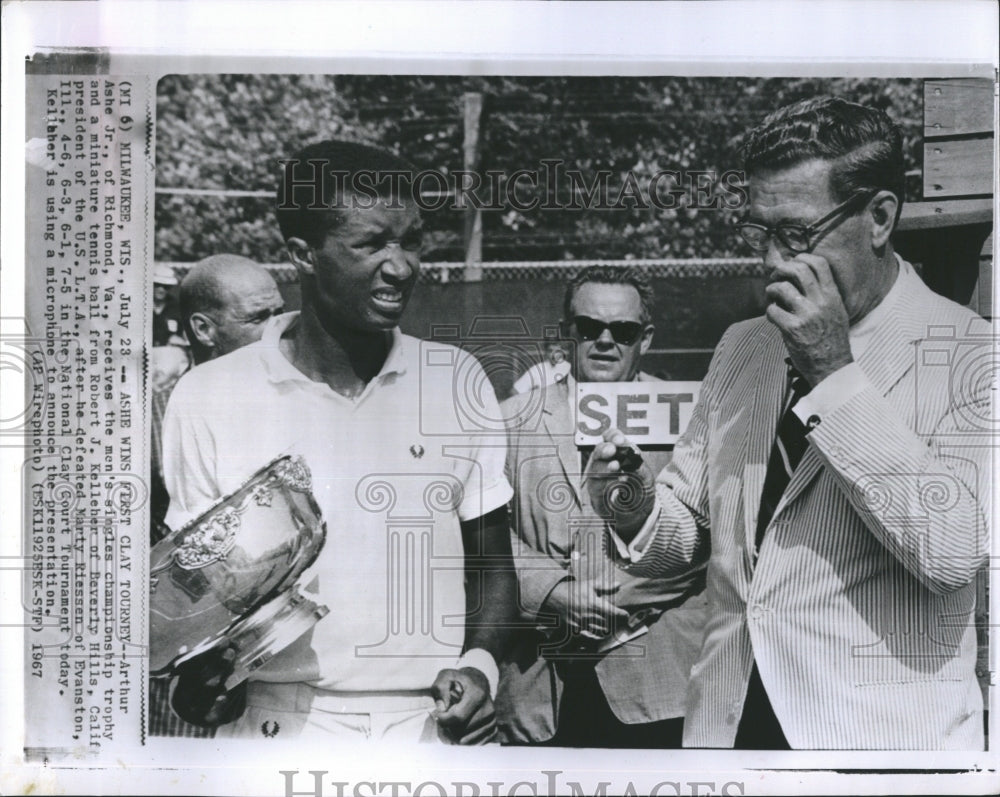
[318, 783]
[552, 184]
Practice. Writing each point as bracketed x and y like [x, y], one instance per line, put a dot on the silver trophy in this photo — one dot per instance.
[234, 575]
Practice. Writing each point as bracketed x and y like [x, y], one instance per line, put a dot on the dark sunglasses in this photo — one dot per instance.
[624, 333]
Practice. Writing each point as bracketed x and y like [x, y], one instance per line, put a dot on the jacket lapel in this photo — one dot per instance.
[557, 419]
[770, 373]
[891, 352]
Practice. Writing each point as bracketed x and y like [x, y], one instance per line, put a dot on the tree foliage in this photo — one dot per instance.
[227, 132]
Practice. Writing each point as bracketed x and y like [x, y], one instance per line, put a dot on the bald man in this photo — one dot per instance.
[225, 301]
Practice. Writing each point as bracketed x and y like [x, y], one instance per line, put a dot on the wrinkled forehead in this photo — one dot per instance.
[607, 301]
[797, 193]
[254, 291]
[354, 211]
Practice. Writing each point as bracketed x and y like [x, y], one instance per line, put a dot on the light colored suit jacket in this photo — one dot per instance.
[556, 536]
[859, 608]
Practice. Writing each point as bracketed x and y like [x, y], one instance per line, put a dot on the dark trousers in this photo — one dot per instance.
[759, 728]
[586, 719]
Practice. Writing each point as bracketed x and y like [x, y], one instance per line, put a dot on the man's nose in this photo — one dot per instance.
[774, 255]
[605, 339]
[399, 264]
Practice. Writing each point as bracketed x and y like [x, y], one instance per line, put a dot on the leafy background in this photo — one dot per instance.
[229, 131]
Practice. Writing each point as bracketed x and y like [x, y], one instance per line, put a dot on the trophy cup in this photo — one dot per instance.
[234, 575]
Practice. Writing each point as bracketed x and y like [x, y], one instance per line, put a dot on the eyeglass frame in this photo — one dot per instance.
[610, 326]
[809, 231]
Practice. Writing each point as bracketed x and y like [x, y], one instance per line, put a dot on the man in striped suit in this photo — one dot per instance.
[835, 473]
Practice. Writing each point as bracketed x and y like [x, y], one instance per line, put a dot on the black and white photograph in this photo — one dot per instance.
[413, 425]
[607, 225]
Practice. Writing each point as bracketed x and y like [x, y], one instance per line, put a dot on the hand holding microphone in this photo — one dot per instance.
[620, 484]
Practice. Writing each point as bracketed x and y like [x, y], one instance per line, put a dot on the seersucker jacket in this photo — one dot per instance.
[858, 609]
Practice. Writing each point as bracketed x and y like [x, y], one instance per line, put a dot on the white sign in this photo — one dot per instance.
[648, 413]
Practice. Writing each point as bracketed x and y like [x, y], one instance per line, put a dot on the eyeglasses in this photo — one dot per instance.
[797, 237]
[624, 333]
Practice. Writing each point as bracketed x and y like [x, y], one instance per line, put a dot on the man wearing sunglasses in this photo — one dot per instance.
[567, 683]
[835, 473]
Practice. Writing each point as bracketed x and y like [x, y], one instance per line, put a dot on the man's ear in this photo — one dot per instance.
[301, 255]
[203, 329]
[647, 338]
[883, 210]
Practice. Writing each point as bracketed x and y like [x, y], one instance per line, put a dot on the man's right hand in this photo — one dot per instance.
[200, 696]
[584, 608]
[625, 499]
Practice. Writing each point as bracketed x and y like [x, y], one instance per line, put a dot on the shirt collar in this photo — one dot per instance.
[861, 333]
[279, 369]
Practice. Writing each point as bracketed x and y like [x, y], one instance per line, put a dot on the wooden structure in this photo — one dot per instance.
[949, 234]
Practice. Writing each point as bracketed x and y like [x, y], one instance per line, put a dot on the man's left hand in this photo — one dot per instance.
[463, 706]
[806, 306]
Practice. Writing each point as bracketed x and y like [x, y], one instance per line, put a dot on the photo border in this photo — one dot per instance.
[396, 38]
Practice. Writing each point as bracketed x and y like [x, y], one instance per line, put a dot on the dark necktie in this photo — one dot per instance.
[789, 445]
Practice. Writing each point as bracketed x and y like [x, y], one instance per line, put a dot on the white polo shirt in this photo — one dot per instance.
[394, 472]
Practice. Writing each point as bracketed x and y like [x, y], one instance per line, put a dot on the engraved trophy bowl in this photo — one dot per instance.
[231, 575]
